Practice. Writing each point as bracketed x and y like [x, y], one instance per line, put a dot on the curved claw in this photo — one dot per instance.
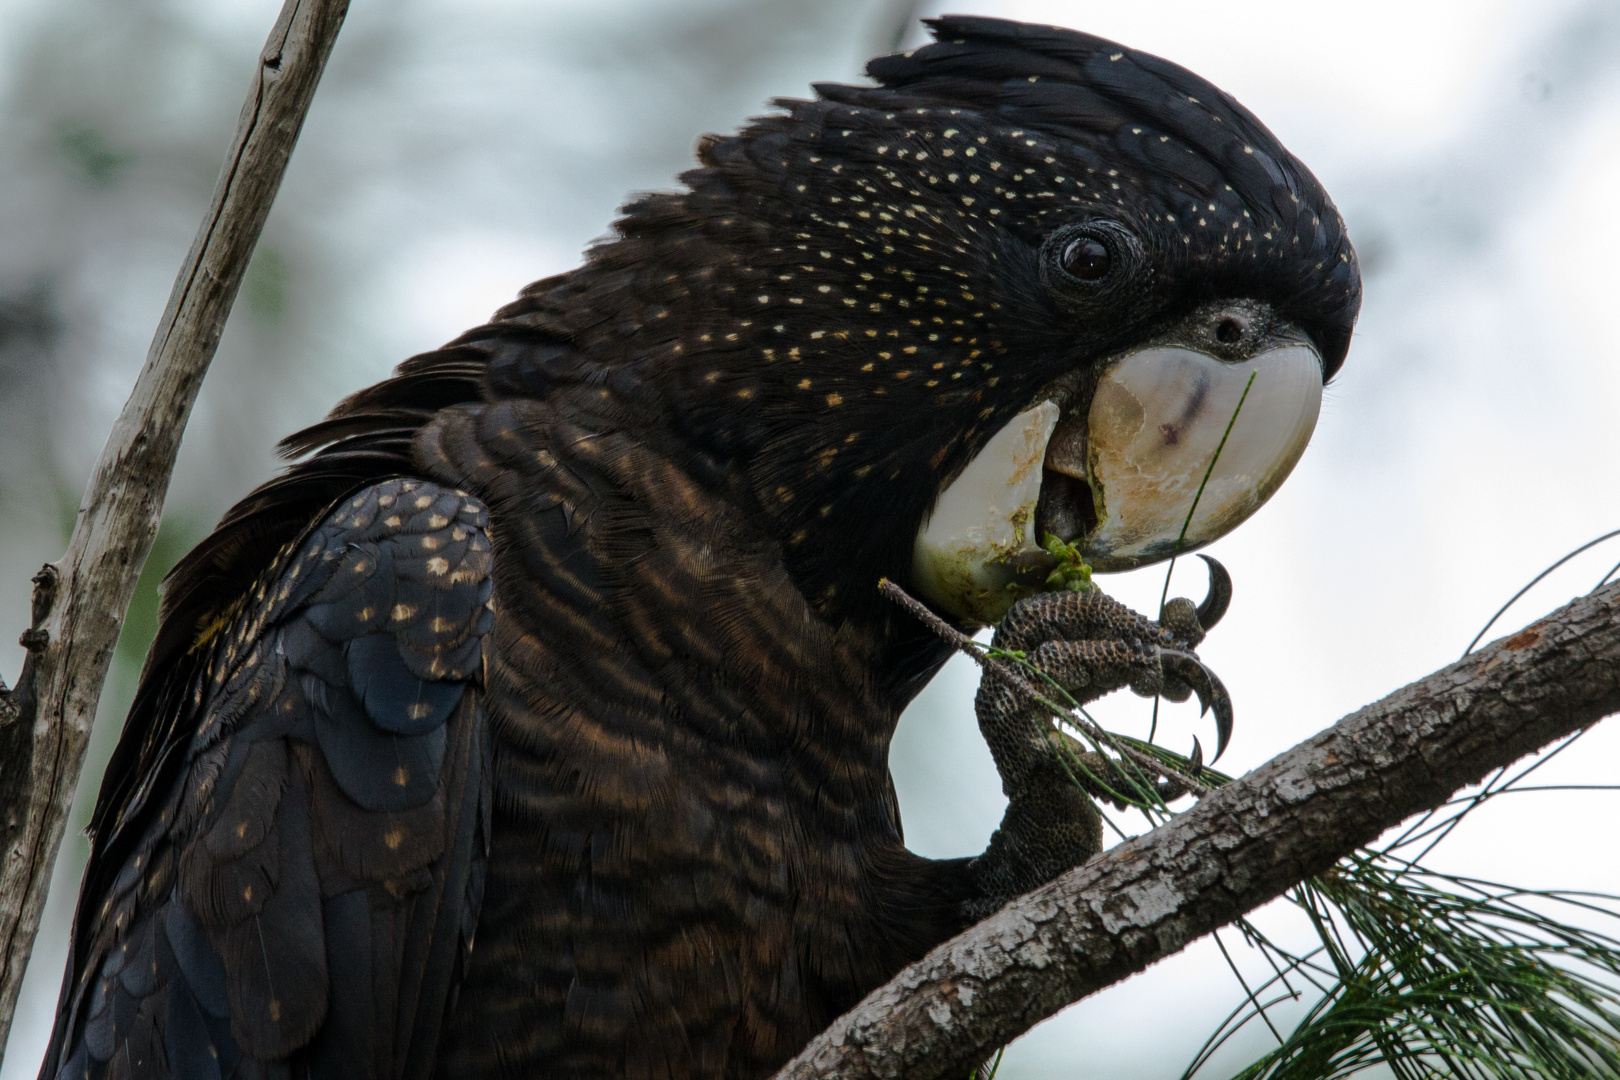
[1220, 595]
[1211, 694]
[1171, 789]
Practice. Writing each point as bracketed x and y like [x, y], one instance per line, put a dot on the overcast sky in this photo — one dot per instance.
[461, 149]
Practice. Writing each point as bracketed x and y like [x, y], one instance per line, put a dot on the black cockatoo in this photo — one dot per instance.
[536, 723]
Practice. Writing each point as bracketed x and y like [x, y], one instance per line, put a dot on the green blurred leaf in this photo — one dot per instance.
[264, 287]
[89, 153]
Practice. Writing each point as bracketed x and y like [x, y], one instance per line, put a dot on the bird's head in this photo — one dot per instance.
[1017, 287]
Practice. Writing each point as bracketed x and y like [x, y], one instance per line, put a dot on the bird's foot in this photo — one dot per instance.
[1089, 645]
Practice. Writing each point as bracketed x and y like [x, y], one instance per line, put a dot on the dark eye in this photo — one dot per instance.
[1087, 258]
[1093, 262]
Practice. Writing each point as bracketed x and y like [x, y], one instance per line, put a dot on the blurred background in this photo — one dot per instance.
[458, 150]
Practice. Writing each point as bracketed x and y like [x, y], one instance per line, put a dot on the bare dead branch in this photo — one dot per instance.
[1241, 846]
[77, 618]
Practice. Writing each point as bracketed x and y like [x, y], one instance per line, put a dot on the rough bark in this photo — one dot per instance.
[1240, 847]
[80, 600]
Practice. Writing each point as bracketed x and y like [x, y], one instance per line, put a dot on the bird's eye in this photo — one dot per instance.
[1093, 262]
[1087, 258]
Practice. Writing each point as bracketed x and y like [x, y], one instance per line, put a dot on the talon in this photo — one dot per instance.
[1220, 595]
[1172, 789]
[1211, 694]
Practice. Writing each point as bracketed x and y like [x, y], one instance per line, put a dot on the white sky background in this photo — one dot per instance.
[460, 150]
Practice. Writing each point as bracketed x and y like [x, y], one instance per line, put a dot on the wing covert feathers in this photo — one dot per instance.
[302, 896]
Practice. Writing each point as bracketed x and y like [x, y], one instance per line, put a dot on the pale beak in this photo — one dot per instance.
[982, 530]
[1156, 424]
[1121, 480]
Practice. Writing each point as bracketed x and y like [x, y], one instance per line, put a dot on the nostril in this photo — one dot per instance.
[1229, 332]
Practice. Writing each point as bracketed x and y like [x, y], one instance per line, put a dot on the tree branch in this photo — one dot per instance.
[80, 603]
[1240, 847]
